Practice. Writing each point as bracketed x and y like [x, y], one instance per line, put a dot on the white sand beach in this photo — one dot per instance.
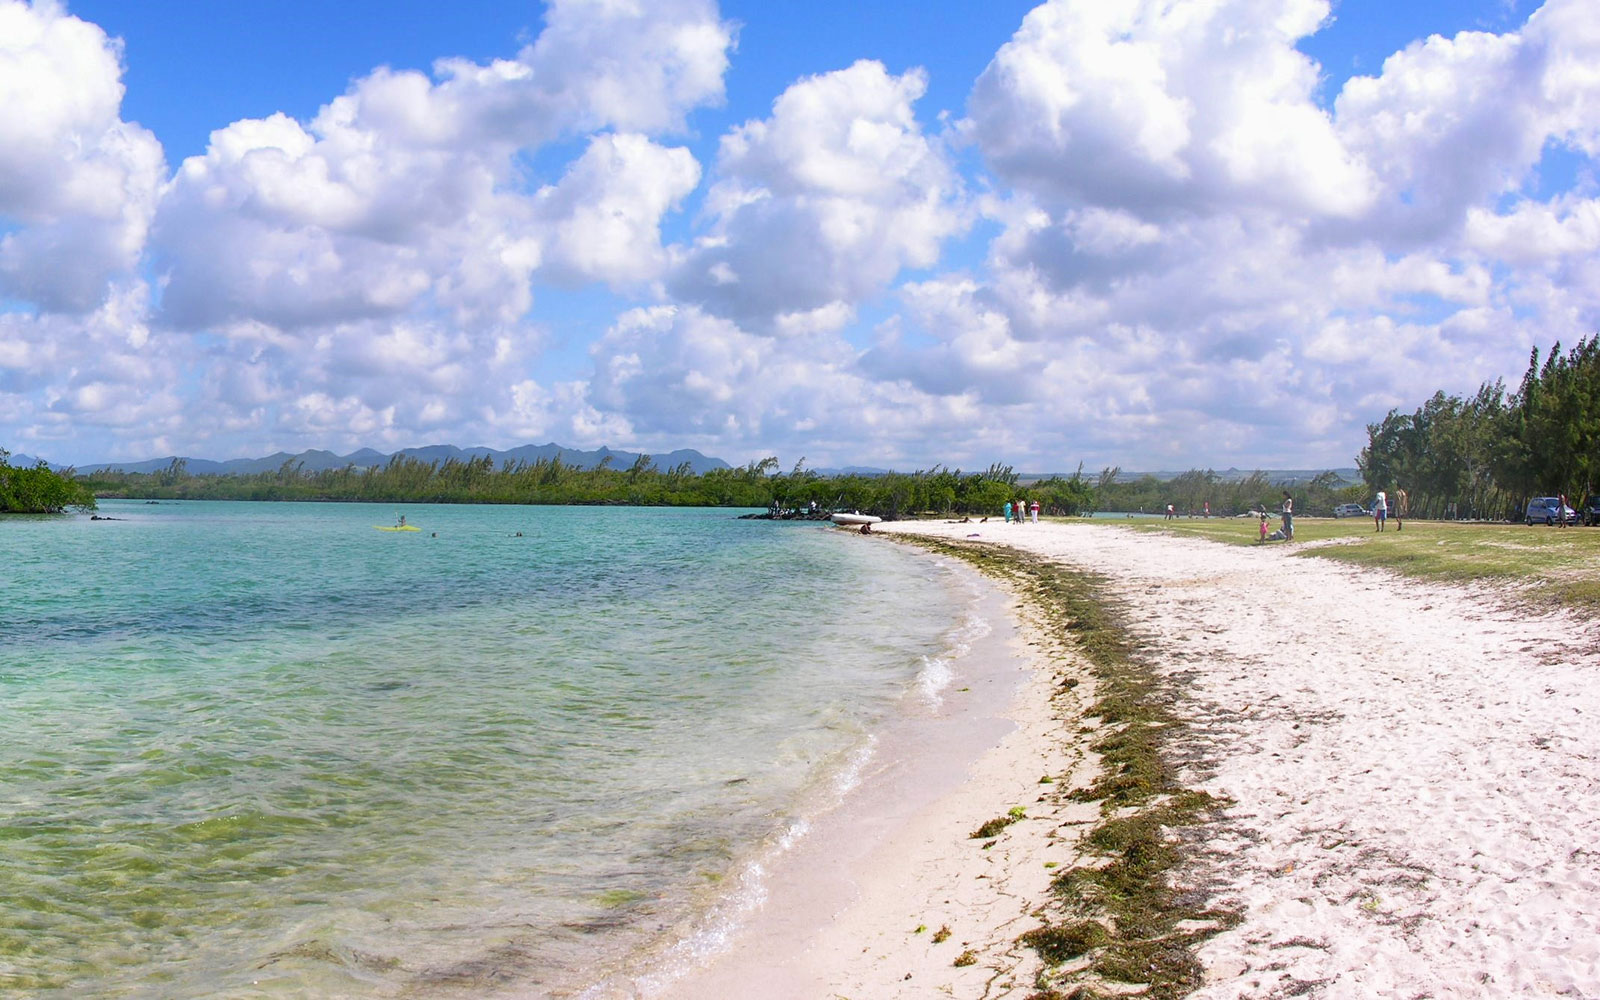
[1414, 773]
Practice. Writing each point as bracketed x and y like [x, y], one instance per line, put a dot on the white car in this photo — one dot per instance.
[1350, 510]
[1549, 510]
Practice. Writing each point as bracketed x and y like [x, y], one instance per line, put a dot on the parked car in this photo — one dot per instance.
[1590, 514]
[1549, 510]
[1350, 510]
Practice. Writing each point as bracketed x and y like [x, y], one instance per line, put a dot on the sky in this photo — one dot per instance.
[1159, 234]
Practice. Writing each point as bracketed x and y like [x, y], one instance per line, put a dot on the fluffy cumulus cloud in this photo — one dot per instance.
[1197, 258]
[78, 184]
[1201, 261]
[372, 271]
[1157, 236]
[680, 376]
[407, 193]
[1165, 107]
[823, 204]
[603, 220]
[106, 373]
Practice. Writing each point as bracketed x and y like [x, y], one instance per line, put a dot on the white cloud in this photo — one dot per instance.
[1191, 256]
[682, 377]
[1161, 106]
[368, 277]
[604, 217]
[1198, 254]
[824, 203]
[77, 183]
[103, 375]
[406, 197]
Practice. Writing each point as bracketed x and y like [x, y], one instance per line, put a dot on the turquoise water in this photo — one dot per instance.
[263, 750]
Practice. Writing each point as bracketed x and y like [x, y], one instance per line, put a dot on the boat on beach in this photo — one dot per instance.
[853, 518]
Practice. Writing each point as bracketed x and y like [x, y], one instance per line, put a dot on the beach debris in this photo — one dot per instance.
[994, 826]
[1057, 943]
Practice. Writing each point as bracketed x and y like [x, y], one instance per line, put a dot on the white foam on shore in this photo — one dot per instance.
[938, 671]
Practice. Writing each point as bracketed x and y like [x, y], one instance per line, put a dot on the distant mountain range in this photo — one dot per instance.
[317, 461]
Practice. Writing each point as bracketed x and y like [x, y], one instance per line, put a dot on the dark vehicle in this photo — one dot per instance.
[1590, 514]
[1549, 510]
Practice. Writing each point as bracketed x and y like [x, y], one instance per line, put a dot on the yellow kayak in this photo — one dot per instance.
[397, 527]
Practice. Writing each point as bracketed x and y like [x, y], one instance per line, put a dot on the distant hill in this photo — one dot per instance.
[318, 461]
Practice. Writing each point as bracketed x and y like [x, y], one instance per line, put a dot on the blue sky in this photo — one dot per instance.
[1147, 234]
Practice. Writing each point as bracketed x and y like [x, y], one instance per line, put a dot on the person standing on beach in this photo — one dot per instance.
[1288, 516]
[1033, 509]
[1008, 511]
[1380, 511]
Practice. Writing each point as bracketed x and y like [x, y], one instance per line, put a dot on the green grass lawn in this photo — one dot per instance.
[1564, 562]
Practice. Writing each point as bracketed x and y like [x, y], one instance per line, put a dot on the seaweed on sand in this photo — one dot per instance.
[1127, 923]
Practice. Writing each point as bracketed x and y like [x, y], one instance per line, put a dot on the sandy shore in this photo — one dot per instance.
[1414, 773]
[856, 908]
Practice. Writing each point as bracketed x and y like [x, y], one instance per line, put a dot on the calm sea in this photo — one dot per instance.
[264, 750]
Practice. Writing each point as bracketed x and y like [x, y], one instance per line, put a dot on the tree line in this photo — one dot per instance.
[1485, 455]
[1194, 492]
[550, 481]
[39, 490]
[940, 490]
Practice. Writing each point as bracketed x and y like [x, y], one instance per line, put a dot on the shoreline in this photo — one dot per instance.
[888, 889]
[1410, 773]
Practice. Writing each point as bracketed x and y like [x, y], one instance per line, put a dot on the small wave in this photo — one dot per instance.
[938, 671]
[933, 678]
[849, 776]
[713, 933]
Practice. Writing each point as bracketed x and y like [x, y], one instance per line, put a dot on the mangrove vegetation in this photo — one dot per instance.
[38, 490]
[551, 481]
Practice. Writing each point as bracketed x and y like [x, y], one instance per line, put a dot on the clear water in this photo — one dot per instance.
[263, 750]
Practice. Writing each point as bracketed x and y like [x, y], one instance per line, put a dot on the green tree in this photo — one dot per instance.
[40, 490]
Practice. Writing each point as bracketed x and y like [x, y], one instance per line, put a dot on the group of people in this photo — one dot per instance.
[1286, 511]
[1020, 509]
[1381, 510]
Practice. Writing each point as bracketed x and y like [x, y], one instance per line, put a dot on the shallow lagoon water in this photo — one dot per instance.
[263, 750]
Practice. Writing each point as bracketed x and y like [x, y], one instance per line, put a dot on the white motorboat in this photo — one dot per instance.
[853, 519]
